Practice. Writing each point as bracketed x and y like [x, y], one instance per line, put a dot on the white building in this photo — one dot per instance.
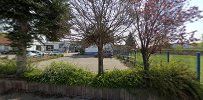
[91, 50]
[49, 46]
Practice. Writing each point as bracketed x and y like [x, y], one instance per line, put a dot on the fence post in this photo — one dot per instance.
[135, 60]
[168, 56]
[198, 66]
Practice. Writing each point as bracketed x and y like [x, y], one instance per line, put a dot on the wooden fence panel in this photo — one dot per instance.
[71, 91]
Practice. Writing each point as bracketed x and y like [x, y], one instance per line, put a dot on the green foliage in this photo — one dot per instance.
[156, 59]
[26, 20]
[30, 18]
[54, 22]
[65, 73]
[60, 73]
[199, 89]
[7, 67]
[173, 79]
[168, 80]
[59, 55]
[118, 79]
[33, 75]
[82, 51]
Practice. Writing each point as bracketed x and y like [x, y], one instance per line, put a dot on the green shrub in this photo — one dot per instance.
[59, 55]
[82, 51]
[167, 79]
[33, 75]
[65, 73]
[7, 67]
[173, 79]
[118, 79]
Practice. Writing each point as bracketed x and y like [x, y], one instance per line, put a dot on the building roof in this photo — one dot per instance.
[4, 41]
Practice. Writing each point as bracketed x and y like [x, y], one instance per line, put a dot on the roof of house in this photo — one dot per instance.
[4, 41]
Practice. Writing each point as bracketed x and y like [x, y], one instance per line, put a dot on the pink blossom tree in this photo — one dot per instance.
[158, 22]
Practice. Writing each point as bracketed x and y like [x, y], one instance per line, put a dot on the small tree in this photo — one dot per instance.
[25, 20]
[157, 22]
[99, 22]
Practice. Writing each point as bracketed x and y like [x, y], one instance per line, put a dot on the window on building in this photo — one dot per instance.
[38, 47]
[60, 45]
[49, 47]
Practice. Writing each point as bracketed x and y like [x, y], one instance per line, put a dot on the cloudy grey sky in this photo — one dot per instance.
[199, 24]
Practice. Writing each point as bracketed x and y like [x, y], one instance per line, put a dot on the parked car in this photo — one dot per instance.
[34, 53]
[40, 53]
[31, 54]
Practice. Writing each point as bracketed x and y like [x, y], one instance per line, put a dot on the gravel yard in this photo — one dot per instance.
[86, 62]
[7, 56]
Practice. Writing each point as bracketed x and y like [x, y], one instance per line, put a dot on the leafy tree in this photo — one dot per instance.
[26, 20]
[157, 22]
[99, 22]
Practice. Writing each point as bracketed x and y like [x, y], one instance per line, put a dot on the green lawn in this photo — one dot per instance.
[187, 59]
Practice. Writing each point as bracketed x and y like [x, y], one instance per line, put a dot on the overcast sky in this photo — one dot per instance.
[199, 24]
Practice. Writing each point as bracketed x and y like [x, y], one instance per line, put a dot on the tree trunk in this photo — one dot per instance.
[145, 59]
[146, 67]
[21, 59]
[100, 60]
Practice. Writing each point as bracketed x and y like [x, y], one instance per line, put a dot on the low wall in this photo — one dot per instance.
[71, 91]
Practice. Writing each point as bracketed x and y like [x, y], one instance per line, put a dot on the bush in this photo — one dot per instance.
[7, 67]
[58, 55]
[173, 80]
[118, 79]
[33, 75]
[60, 73]
[82, 51]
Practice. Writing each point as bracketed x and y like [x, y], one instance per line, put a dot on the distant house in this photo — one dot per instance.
[36, 45]
[5, 44]
[185, 46]
[91, 50]
[43, 45]
[49, 46]
[56, 46]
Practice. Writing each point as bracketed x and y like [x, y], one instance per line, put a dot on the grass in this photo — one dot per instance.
[187, 59]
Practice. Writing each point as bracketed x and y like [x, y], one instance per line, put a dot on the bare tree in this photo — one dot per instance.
[158, 22]
[99, 22]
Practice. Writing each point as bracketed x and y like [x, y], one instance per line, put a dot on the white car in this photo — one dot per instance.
[31, 54]
[34, 53]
